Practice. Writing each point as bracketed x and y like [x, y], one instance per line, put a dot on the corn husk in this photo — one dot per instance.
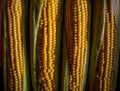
[1, 45]
[35, 15]
[26, 47]
[5, 48]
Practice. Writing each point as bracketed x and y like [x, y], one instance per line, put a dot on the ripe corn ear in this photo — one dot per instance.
[106, 58]
[77, 34]
[15, 33]
[46, 46]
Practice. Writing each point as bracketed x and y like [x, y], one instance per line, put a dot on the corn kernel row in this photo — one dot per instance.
[76, 26]
[106, 59]
[15, 60]
[46, 44]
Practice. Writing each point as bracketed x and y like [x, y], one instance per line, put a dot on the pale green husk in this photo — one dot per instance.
[5, 48]
[97, 33]
[26, 79]
[35, 15]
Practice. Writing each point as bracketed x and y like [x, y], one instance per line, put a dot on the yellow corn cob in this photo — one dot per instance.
[15, 62]
[106, 59]
[46, 44]
[76, 26]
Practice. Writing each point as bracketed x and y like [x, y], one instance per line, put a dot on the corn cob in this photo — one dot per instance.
[76, 26]
[15, 35]
[46, 45]
[106, 57]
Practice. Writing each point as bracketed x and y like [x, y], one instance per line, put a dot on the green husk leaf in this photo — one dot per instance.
[64, 70]
[27, 77]
[58, 51]
[5, 47]
[1, 45]
[97, 33]
[35, 14]
[64, 75]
